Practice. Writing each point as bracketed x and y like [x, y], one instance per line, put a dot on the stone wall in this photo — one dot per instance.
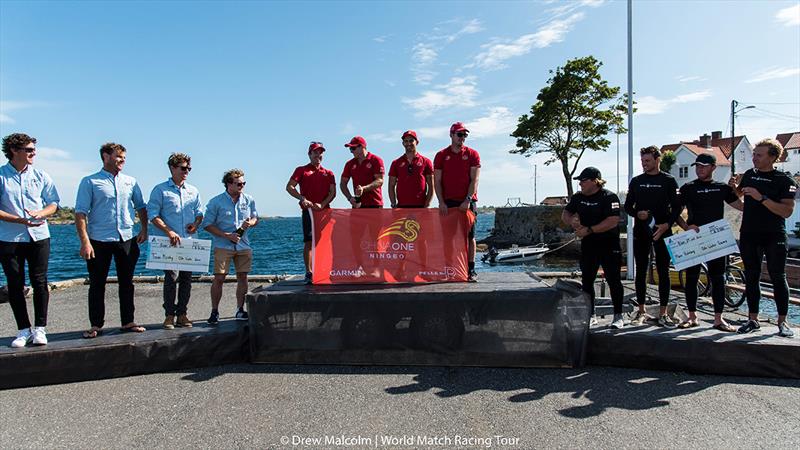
[528, 225]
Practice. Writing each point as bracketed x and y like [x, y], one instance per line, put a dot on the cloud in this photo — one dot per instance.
[423, 56]
[460, 91]
[684, 79]
[495, 53]
[789, 16]
[499, 121]
[381, 39]
[425, 53]
[7, 106]
[649, 105]
[772, 73]
[66, 172]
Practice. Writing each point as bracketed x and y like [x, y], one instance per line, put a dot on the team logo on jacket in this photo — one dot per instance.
[615, 205]
[447, 157]
[793, 189]
[369, 165]
[465, 157]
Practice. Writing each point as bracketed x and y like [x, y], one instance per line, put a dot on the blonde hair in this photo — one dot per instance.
[774, 148]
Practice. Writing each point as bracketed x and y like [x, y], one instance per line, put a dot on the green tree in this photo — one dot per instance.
[573, 113]
[667, 161]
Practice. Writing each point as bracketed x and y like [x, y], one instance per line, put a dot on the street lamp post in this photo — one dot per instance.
[734, 111]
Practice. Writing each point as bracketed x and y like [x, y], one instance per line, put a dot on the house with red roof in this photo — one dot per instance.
[790, 161]
[722, 148]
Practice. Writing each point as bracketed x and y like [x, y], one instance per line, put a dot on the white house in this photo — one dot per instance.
[791, 156]
[686, 153]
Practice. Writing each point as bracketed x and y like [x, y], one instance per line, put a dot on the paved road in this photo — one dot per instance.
[255, 406]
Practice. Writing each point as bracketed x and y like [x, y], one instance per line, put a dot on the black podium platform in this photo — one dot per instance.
[504, 320]
[69, 358]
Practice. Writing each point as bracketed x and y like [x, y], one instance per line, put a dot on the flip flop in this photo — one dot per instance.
[689, 324]
[92, 333]
[724, 327]
[132, 329]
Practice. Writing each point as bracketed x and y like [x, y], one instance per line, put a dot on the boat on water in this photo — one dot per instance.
[515, 254]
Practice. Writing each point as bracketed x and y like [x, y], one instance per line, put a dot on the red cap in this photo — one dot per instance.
[458, 126]
[411, 133]
[356, 141]
[315, 146]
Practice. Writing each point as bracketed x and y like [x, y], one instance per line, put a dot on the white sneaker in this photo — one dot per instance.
[618, 323]
[23, 337]
[593, 320]
[39, 336]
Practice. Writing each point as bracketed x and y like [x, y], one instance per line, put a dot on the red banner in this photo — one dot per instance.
[389, 245]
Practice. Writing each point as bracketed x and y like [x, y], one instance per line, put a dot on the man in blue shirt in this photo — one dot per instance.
[176, 212]
[228, 218]
[104, 213]
[27, 197]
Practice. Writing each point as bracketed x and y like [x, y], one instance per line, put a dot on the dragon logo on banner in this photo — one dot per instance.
[407, 229]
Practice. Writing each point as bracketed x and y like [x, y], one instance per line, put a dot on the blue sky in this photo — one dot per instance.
[249, 84]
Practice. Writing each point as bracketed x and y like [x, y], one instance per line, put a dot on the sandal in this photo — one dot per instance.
[132, 328]
[689, 324]
[727, 328]
[92, 333]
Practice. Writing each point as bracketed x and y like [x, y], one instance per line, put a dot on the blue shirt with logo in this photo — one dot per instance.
[110, 204]
[30, 189]
[228, 215]
[177, 206]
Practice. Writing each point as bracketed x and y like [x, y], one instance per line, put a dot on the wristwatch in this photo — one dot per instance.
[763, 199]
[591, 231]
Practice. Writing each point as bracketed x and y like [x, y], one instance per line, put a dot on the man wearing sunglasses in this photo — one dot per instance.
[456, 169]
[228, 217]
[27, 197]
[176, 212]
[317, 190]
[104, 210]
[411, 176]
[366, 170]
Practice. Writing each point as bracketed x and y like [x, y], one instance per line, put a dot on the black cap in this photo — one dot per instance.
[589, 173]
[705, 159]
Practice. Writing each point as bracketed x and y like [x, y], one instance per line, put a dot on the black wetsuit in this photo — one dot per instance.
[657, 194]
[599, 249]
[705, 203]
[763, 233]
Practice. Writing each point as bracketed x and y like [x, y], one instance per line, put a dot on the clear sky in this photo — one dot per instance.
[249, 84]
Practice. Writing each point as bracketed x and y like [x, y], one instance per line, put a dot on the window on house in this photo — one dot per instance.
[683, 172]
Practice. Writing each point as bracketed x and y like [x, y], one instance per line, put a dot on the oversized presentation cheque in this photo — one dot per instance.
[191, 255]
[690, 248]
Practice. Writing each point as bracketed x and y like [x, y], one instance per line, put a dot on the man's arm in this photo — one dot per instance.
[86, 251]
[437, 185]
[474, 174]
[392, 194]
[174, 238]
[291, 188]
[346, 190]
[428, 189]
[142, 237]
[376, 183]
[331, 195]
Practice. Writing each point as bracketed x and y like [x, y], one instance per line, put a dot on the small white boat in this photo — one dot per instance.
[515, 254]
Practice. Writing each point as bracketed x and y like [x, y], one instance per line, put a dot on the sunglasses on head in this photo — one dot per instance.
[461, 134]
[26, 149]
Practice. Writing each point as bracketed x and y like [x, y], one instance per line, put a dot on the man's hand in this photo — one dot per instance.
[661, 228]
[191, 228]
[643, 215]
[582, 231]
[693, 227]
[142, 236]
[735, 180]
[464, 206]
[576, 222]
[443, 209]
[316, 206]
[752, 193]
[35, 216]
[174, 239]
[358, 190]
[354, 202]
[87, 252]
[306, 203]
[233, 237]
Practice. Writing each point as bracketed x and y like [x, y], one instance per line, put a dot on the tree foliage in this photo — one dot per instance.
[573, 113]
[668, 160]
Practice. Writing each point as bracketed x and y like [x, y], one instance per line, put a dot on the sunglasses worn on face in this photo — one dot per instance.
[408, 141]
[461, 135]
[184, 168]
[25, 149]
[240, 184]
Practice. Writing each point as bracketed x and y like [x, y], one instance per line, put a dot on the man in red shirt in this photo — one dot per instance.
[317, 190]
[366, 170]
[411, 177]
[456, 169]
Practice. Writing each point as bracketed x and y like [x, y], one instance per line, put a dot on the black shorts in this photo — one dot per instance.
[306, 226]
[472, 207]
